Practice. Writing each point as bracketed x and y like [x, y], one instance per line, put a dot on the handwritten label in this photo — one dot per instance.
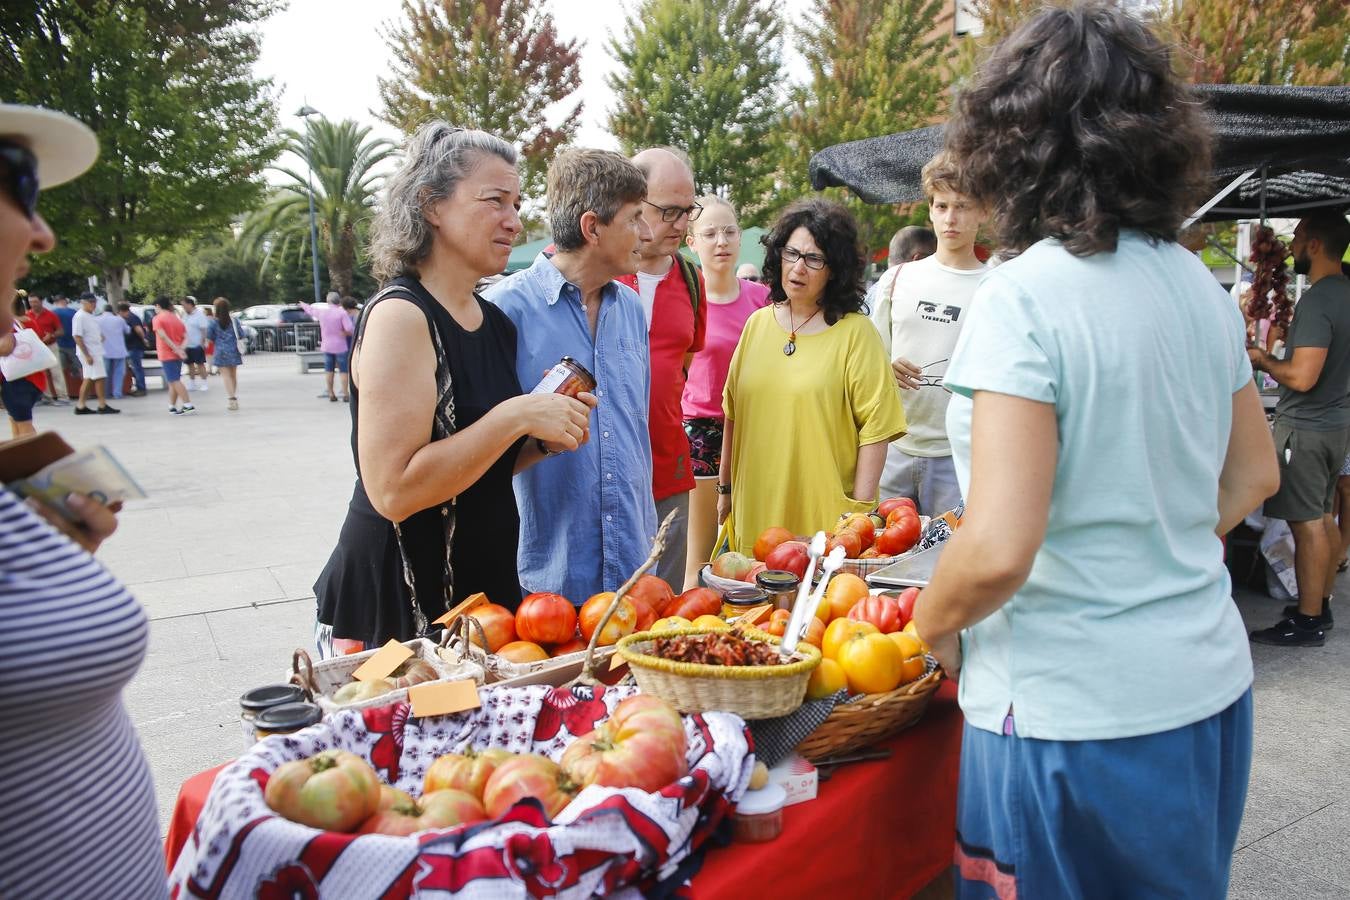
[383, 663]
[469, 604]
[440, 698]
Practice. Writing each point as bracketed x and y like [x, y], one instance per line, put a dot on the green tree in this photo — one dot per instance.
[496, 65]
[184, 127]
[877, 67]
[207, 266]
[346, 162]
[704, 76]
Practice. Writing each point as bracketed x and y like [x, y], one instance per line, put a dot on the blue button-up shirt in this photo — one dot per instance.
[587, 518]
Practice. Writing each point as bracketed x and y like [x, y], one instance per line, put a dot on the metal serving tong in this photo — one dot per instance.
[807, 599]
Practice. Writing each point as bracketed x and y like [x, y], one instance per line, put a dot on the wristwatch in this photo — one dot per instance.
[723, 488]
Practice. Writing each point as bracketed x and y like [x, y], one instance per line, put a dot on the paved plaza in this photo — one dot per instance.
[244, 508]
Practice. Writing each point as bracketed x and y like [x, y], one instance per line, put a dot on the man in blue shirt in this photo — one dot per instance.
[587, 518]
[65, 341]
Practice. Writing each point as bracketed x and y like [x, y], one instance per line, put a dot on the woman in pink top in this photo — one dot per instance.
[716, 238]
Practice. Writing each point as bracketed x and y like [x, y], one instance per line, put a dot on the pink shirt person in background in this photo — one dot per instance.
[716, 239]
[335, 325]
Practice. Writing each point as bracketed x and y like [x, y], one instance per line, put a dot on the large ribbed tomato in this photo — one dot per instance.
[438, 809]
[524, 776]
[467, 771]
[872, 663]
[879, 609]
[545, 618]
[499, 626]
[640, 745]
[622, 623]
[333, 790]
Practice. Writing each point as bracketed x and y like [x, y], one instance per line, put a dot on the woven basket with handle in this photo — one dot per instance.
[751, 692]
[852, 726]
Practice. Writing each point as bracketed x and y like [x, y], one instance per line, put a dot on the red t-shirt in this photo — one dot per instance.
[173, 326]
[44, 322]
[38, 379]
[675, 330]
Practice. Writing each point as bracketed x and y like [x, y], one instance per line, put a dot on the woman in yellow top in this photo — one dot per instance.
[810, 401]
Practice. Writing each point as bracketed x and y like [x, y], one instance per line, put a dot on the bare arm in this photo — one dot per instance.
[7, 343]
[79, 342]
[867, 473]
[403, 473]
[1299, 372]
[1014, 451]
[724, 470]
[1251, 473]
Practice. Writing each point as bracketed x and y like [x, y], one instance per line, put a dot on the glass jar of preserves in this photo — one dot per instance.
[287, 718]
[741, 600]
[568, 377]
[759, 815]
[781, 587]
[253, 702]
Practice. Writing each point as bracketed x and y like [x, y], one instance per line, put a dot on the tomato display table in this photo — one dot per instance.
[884, 828]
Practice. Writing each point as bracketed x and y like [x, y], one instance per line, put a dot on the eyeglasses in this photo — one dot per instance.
[730, 232]
[673, 213]
[812, 260]
[20, 179]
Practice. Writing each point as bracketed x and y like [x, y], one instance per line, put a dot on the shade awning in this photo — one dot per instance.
[1299, 137]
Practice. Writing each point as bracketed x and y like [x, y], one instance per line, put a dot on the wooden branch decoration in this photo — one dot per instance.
[587, 675]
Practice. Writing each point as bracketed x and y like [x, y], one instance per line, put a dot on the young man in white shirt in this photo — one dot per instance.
[919, 311]
[89, 345]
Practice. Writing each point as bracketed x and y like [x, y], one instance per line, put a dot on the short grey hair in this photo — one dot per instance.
[436, 159]
[333, 297]
[581, 181]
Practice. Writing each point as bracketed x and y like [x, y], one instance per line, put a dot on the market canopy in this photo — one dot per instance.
[1295, 142]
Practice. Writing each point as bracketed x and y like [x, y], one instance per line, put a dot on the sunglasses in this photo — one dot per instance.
[20, 176]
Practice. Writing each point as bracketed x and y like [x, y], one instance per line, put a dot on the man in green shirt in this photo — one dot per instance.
[1312, 424]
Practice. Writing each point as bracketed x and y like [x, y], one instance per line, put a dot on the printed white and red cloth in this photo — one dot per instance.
[607, 842]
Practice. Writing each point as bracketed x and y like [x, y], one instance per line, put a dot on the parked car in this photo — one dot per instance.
[146, 315]
[279, 327]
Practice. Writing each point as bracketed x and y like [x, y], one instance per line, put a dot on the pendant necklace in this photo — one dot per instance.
[791, 346]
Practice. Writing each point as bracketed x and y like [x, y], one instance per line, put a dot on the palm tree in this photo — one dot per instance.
[345, 159]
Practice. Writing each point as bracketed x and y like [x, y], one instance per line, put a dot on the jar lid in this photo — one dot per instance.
[288, 717]
[767, 799]
[584, 371]
[776, 580]
[746, 596]
[270, 695]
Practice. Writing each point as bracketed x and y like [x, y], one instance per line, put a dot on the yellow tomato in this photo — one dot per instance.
[711, 621]
[911, 629]
[911, 651]
[841, 630]
[844, 590]
[670, 622]
[826, 679]
[872, 663]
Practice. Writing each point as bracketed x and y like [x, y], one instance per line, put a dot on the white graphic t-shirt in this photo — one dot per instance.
[919, 309]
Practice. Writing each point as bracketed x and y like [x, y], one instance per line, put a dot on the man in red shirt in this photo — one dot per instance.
[673, 298]
[47, 326]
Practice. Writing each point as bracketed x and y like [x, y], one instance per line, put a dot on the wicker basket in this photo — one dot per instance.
[456, 647]
[852, 726]
[751, 692]
[322, 679]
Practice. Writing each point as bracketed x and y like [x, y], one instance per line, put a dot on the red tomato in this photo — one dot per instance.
[769, 538]
[522, 652]
[640, 745]
[546, 619]
[906, 602]
[901, 534]
[524, 776]
[887, 506]
[499, 626]
[334, 791]
[778, 622]
[654, 593]
[623, 622]
[467, 771]
[439, 809]
[575, 645]
[879, 609]
[693, 603]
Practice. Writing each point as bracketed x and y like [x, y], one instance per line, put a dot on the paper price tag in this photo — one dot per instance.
[616, 661]
[755, 615]
[382, 664]
[440, 698]
[470, 603]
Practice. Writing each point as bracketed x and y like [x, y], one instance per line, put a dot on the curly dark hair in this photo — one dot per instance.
[834, 230]
[1077, 126]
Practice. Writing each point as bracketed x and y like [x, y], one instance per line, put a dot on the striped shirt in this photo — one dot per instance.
[80, 804]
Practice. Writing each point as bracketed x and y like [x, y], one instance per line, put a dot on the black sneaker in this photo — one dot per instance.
[1288, 633]
[84, 411]
[1324, 621]
[189, 408]
[108, 411]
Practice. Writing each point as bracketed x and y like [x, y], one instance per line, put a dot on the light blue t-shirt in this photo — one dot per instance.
[1126, 625]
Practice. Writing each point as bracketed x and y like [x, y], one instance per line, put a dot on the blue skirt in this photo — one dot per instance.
[1142, 817]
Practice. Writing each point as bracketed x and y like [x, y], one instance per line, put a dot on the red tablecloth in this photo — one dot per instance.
[882, 829]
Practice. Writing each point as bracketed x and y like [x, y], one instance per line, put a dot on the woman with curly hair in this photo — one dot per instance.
[1106, 430]
[810, 402]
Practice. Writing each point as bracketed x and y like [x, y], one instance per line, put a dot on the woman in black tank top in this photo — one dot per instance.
[439, 423]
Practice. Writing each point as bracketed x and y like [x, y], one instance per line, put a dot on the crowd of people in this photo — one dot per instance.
[1089, 400]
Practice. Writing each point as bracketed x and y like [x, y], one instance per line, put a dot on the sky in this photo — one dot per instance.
[330, 53]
